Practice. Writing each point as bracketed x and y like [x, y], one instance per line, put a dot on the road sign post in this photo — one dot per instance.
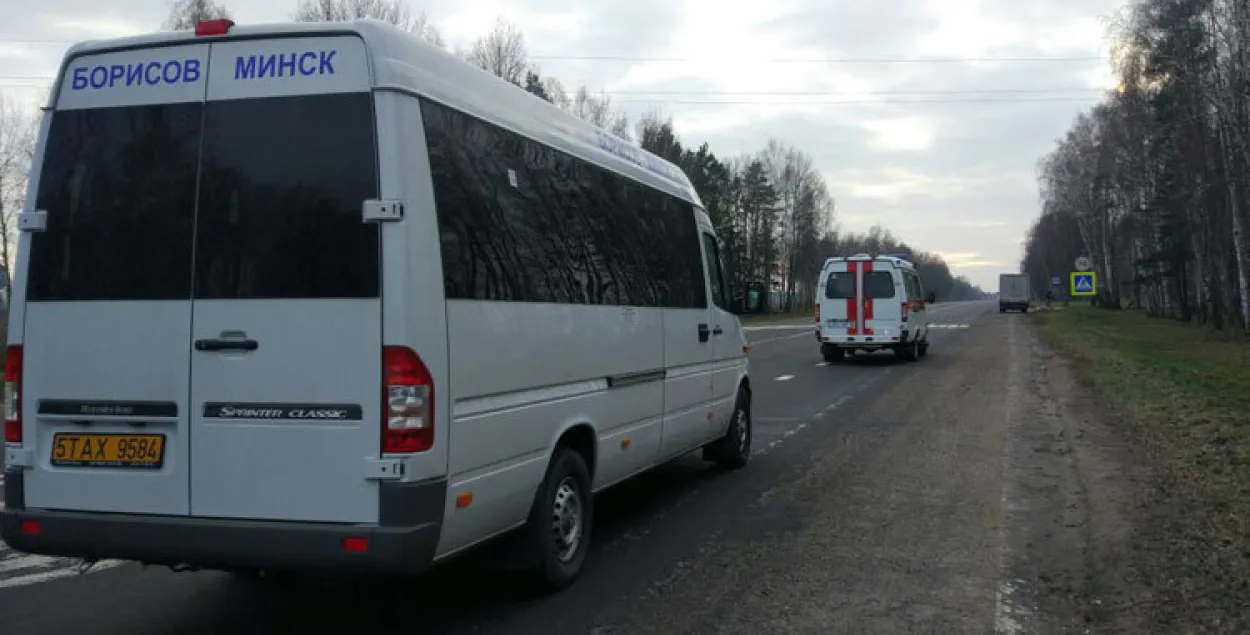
[1083, 283]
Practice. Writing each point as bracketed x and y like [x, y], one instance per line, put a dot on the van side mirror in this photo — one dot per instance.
[931, 298]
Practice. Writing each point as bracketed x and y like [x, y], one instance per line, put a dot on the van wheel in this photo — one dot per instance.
[832, 354]
[924, 347]
[733, 450]
[560, 520]
[908, 352]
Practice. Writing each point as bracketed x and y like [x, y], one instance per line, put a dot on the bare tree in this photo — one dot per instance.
[18, 130]
[184, 14]
[598, 110]
[394, 12]
[501, 52]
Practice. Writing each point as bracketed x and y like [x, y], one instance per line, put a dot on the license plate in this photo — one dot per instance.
[80, 449]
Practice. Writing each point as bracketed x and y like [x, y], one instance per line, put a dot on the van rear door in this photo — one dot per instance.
[837, 300]
[287, 319]
[883, 299]
[107, 288]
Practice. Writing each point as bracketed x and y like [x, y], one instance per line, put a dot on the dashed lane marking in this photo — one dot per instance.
[785, 378]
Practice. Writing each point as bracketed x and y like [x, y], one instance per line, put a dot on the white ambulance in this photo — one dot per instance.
[866, 303]
[323, 296]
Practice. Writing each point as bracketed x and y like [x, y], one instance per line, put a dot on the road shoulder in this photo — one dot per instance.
[955, 499]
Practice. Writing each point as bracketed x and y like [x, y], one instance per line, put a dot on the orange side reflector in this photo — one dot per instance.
[746, 348]
[625, 444]
[464, 499]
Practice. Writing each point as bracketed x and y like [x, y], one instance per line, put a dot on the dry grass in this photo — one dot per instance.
[1183, 393]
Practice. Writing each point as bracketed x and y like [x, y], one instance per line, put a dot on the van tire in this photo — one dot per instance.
[924, 347]
[832, 354]
[909, 351]
[733, 450]
[565, 490]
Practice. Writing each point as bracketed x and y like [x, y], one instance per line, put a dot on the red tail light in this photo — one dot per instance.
[13, 394]
[906, 309]
[407, 402]
[818, 313]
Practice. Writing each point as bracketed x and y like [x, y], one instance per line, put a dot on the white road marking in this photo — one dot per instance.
[822, 364]
[784, 337]
[785, 378]
[780, 327]
[66, 570]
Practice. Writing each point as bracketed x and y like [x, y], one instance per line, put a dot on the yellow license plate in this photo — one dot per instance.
[79, 449]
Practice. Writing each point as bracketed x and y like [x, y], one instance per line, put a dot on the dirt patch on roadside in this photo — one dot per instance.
[1118, 516]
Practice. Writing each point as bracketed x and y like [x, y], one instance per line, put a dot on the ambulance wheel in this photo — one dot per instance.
[832, 354]
[908, 352]
[924, 347]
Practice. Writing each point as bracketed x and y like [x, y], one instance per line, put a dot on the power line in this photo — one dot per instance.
[762, 102]
[763, 93]
[829, 60]
[973, 91]
[779, 60]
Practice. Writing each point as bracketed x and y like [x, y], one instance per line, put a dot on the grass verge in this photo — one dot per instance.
[1183, 394]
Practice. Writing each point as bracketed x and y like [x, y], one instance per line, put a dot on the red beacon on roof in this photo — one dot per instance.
[213, 27]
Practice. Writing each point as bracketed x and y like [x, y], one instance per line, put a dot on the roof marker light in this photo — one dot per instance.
[213, 27]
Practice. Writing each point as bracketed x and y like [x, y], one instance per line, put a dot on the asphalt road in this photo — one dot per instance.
[876, 502]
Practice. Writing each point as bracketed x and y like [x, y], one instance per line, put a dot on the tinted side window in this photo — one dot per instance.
[520, 221]
[670, 240]
[280, 199]
[715, 273]
[879, 285]
[913, 286]
[840, 285]
[119, 188]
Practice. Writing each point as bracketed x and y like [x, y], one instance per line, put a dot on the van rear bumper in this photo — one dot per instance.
[230, 544]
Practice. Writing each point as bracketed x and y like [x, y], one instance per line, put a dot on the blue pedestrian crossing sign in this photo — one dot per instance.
[1084, 283]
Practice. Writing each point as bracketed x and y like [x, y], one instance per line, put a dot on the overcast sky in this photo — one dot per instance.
[952, 172]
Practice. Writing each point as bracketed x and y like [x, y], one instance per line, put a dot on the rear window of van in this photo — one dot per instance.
[247, 198]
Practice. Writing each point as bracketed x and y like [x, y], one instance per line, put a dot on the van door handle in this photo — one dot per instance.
[718, 330]
[704, 332]
[212, 345]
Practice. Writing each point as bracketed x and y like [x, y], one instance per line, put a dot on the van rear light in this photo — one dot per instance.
[13, 394]
[906, 309]
[354, 544]
[408, 402]
[30, 527]
[213, 27]
[818, 313]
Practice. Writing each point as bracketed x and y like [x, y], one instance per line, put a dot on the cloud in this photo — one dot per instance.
[941, 153]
